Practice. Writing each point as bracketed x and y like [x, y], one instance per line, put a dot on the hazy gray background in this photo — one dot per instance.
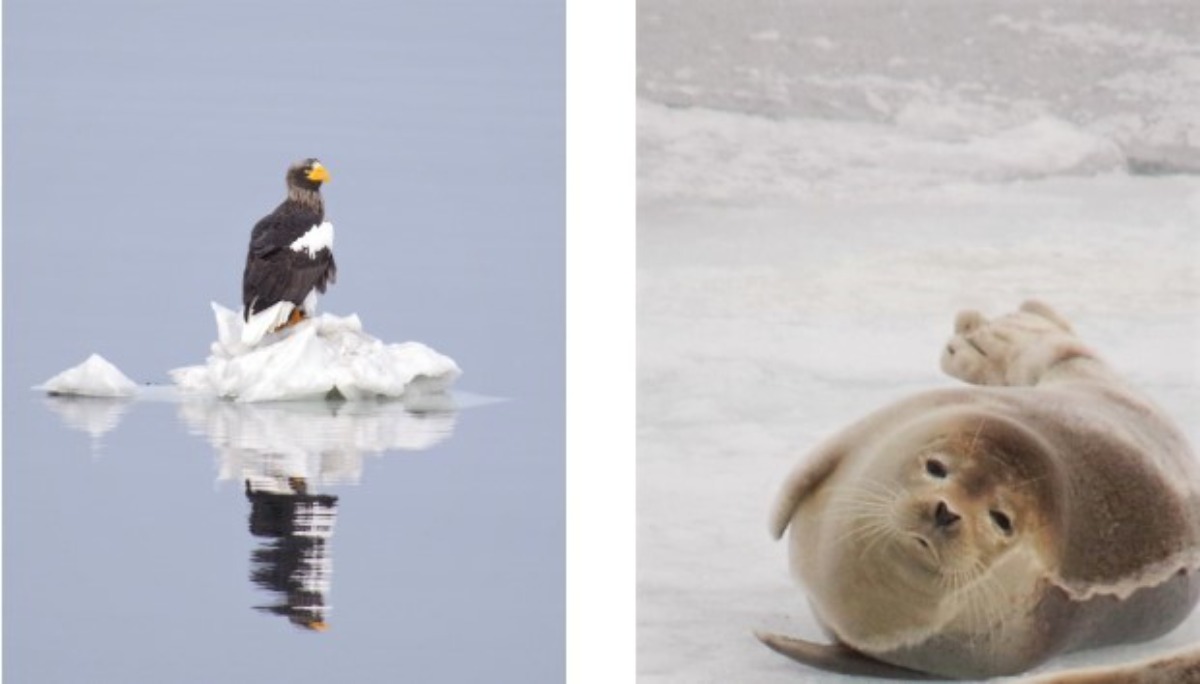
[143, 140]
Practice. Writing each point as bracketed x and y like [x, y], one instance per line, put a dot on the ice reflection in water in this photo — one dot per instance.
[322, 442]
[285, 455]
[93, 415]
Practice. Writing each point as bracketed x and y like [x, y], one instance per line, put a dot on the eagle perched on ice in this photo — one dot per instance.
[291, 250]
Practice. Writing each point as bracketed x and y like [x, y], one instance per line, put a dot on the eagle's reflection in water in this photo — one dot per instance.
[294, 562]
[285, 454]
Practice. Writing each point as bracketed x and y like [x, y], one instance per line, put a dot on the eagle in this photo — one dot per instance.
[291, 249]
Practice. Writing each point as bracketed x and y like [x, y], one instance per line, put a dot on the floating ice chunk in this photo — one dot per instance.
[95, 377]
[312, 360]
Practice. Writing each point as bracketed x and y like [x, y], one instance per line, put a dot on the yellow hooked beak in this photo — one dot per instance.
[318, 174]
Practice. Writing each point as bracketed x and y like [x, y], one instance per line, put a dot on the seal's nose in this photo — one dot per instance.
[943, 516]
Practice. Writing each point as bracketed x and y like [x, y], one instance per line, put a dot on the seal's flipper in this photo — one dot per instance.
[1040, 308]
[836, 658]
[1181, 666]
[803, 481]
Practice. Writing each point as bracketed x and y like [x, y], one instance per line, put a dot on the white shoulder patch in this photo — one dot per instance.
[317, 238]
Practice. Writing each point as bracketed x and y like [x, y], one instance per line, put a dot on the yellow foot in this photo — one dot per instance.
[294, 317]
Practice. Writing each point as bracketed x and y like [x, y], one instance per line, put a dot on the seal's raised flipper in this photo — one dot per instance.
[803, 481]
[836, 658]
[1040, 308]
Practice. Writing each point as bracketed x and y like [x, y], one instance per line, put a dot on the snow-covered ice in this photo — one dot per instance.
[813, 210]
[319, 357]
[95, 377]
[322, 357]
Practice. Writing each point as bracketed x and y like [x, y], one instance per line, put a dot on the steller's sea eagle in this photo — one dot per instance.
[291, 249]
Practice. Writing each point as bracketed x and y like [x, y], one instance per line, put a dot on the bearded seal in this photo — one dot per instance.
[978, 531]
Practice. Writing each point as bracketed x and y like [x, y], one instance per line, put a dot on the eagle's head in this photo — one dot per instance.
[307, 174]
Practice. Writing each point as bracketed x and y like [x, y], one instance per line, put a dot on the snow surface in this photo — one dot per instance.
[821, 187]
[95, 377]
[1125, 71]
[316, 358]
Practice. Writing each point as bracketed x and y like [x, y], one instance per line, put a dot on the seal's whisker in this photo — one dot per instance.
[888, 532]
[866, 531]
[853, 505]
[990, 595]
[868, 499]
[995, 596]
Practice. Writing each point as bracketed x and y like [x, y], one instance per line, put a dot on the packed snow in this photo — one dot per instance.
[95, 377]
[323, 356]
[821, 187]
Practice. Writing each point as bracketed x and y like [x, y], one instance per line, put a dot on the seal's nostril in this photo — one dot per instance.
[943, 516]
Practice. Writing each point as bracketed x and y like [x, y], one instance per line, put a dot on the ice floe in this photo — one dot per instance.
[321, 357]
[95, 377]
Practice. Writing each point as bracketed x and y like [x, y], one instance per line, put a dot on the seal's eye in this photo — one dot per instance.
[1001, 521]
[936, 468]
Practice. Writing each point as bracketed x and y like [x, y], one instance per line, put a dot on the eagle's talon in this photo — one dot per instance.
[295, 317]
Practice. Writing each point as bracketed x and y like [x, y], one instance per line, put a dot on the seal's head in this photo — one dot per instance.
[948, 522]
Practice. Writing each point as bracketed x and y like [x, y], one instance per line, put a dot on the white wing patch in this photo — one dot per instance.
[316, 239]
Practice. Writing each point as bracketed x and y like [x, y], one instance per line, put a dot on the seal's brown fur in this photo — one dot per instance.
[978, 531]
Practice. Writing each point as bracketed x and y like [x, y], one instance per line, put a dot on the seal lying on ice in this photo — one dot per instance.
[978, 531]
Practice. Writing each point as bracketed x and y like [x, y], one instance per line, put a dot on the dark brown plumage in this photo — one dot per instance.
[280, 266]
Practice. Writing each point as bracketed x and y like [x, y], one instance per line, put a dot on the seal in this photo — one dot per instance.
[980, 530]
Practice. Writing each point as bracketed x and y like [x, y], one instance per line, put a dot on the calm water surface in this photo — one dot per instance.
[167, 541]
[213, 542]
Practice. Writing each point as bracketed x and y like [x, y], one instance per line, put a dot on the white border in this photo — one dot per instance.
[601, 177]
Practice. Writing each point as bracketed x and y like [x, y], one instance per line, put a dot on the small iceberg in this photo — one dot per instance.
[95, 377]
[322, 357]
